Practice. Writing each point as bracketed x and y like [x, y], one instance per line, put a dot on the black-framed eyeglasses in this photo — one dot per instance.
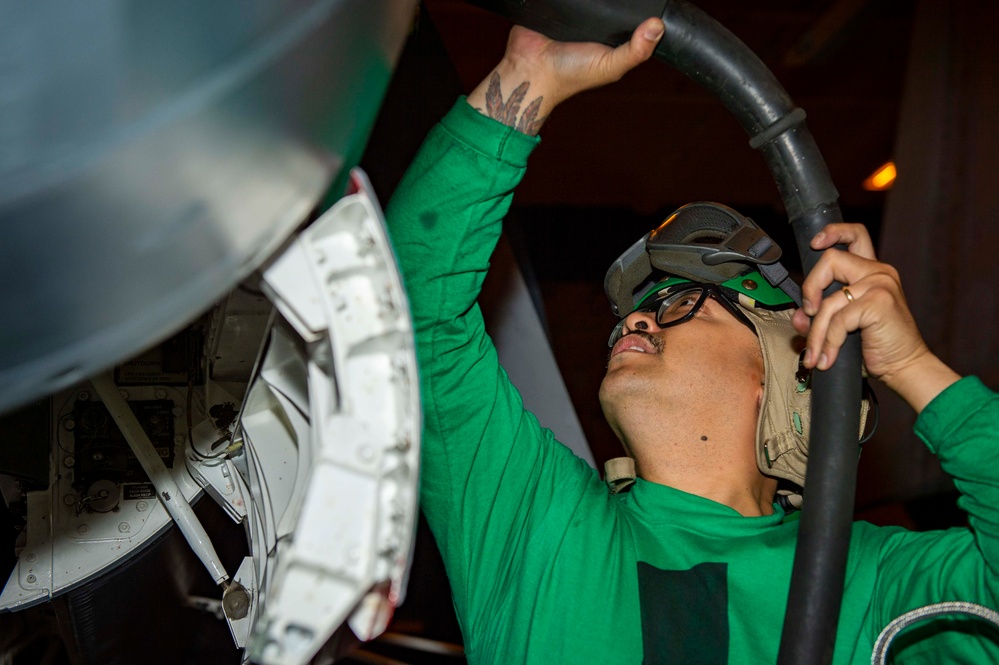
[679, 304]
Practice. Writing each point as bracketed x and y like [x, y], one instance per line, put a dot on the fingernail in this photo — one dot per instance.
[653, 33]
[808, 357]
[818, 237]
[806, 305]
[823, 362]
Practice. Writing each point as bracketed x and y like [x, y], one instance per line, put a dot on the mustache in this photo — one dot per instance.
[657, 344]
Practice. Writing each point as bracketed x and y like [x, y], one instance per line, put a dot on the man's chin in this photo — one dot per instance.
[615, 387]
[614, 401]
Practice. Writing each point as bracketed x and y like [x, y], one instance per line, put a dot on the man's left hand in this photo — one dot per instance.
[873, 303]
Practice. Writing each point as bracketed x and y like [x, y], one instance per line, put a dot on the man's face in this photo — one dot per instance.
[709, 361]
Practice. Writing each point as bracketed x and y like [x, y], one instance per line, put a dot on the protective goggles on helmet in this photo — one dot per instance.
[677, 300]
[702, 242]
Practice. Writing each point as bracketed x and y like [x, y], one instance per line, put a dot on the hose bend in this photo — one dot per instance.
[705, 51]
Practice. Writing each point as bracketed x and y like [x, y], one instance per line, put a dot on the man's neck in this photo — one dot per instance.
[715, 460]
[752, 498]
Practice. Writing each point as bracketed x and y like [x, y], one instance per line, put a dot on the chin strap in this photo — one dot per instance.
[619, 474]
[790, 502]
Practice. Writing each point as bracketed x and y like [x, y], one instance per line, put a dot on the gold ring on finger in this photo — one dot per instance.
[846, 292]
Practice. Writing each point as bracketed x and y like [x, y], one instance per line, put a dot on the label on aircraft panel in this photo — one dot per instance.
[139, 491]
[101, 450]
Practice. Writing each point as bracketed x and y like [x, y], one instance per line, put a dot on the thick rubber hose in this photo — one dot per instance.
[705, 51]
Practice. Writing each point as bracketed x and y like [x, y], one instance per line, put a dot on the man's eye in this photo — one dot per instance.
[681, 304]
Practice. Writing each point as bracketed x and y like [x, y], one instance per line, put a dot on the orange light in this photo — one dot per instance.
[883, 178]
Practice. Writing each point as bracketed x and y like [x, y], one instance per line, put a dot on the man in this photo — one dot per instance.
[693, 564]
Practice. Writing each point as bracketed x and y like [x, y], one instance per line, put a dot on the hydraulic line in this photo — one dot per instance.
[705, 51]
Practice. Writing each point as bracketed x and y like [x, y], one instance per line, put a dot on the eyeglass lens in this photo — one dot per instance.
[676, 306]
[670, 309]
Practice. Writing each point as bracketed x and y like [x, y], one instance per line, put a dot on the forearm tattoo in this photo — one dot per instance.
[507, 112]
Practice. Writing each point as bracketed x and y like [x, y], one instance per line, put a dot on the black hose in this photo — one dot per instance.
[705, 51]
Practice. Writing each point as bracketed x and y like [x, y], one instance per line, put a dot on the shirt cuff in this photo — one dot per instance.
[488, 136]
[950, 409]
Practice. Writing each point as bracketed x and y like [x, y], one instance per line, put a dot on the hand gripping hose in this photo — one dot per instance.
[702, 49]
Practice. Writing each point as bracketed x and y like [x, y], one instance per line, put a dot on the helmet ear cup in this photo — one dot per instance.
[782, 432]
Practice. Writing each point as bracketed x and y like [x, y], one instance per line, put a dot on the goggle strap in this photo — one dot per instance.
[777, 275]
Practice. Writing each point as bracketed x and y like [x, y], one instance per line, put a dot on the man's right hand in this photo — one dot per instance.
[536, 73]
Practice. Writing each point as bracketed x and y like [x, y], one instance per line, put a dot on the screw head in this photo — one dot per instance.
[31, 557]
[83, 396]
[749, 284]
[124, 527]
[30, 579]
[141, 506]
[236, 601]
[83, 529]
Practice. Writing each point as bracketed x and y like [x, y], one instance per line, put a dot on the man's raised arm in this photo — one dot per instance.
[956, 421]
[484, 457]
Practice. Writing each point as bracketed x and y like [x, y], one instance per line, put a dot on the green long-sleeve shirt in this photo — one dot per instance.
[547, 567]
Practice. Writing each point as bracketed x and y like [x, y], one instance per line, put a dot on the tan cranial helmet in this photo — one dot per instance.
[711, 246]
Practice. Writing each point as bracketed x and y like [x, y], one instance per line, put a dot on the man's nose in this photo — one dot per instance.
[641, 320]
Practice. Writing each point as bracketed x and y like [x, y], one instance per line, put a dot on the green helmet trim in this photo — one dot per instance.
[752, 285]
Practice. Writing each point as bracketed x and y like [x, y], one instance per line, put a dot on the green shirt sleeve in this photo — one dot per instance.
[492, 480]
[919, 569]
[960, 427]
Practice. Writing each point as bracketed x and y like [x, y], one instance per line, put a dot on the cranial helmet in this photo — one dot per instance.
[712, 244]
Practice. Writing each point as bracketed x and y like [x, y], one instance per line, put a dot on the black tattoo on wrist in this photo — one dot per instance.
[508, 112]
